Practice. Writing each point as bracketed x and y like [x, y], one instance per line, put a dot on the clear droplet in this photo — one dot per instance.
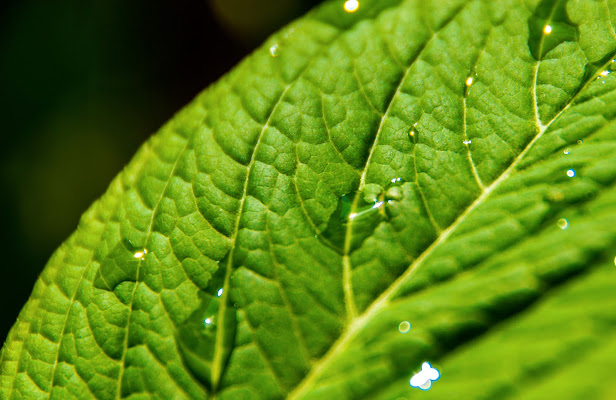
[395, 180]
[563, 223]
[219, 293]
[570, 173]
[567, 151]
[467, 142]
[141, 254]
[351, 6]
[469, 81]
[547, 29]
[424, 378]
[404, 327]
[273, 50]
[207, 322]
[604, 73]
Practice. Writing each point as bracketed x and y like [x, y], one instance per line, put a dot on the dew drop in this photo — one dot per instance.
[570, 173]
[469, 81]
[467, 142]
[351, 6]
[547, 29]
[273, 50]
[208, 321]
[395, 180]
[424, 378]
[563, 223]
[404, 327]
[219, 293]
[141, 254]
[567, 151]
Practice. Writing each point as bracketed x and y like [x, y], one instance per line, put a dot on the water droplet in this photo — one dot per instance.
[141, 254]
[404, 327]
[424, 378]
[547, 29]
[567, 150]
[394, 180]
[570, 173]
[219, 293]
[614, 260]
[469, 81]
[563, 223]
[351, 6]
[467, 142]
[208, 321]
[377, 204]
[273, 50]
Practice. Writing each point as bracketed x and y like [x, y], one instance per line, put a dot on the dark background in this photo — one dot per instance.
[82, 85]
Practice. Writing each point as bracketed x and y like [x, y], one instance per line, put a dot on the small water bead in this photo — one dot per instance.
[467, 142]
[273, 50]
[208, 321]
[567, 151]
[570, 173]
[547, 29]
[563, 223]
[469, 81]
[424, 378]
[351, 6]
[404, 327]
[394, 180]
[141, 254]
[219, 293]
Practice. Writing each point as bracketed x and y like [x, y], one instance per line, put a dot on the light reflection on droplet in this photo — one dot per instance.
[208, 321]
[424, 378]
[377, 204]
[580, 141]
[469, 81]
[273, 50]
[614, 260]
[352, 215]
[467, 142]
[351, 6]
[570, 173]
[219, 293]
[547, 29]
[141, 254]
[567, 150]
[404, 327]
[563, 223]
[394, 180]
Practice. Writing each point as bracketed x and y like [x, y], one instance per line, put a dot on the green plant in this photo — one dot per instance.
[408, 181]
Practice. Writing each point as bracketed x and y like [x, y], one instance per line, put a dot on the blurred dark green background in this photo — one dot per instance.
[82, 85]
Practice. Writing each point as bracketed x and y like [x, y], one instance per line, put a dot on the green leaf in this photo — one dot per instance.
[415, 181]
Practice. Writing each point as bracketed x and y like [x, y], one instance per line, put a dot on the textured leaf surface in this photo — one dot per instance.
[450, 164]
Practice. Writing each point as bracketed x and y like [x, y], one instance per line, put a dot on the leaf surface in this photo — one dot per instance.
[419, 180]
